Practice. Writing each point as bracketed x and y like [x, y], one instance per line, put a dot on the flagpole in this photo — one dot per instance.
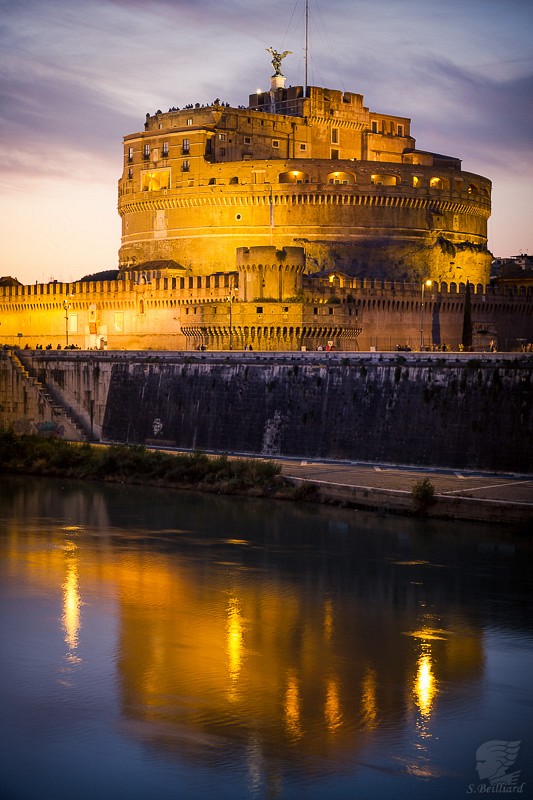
[306, 43]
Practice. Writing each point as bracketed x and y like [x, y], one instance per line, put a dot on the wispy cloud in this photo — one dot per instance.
[76, 77]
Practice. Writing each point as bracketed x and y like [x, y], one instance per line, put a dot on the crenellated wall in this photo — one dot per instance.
[182, 312]
[459, 410]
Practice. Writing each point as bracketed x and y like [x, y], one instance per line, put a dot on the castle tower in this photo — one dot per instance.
[269, 274]
[310, 168]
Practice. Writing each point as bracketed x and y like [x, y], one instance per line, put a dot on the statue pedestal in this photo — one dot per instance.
[277, 82]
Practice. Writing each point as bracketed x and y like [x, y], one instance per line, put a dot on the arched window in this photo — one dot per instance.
[294, 176]
[384, 179]
[439, 183]
[341, 178]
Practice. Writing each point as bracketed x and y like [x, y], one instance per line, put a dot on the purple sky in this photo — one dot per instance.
[77, 77]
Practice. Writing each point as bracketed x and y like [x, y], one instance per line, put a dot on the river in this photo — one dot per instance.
[173, 645]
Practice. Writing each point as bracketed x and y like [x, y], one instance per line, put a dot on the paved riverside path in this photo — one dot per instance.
[465, 494]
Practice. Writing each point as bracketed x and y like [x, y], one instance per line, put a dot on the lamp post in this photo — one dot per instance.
[424, 284]
[66, 306]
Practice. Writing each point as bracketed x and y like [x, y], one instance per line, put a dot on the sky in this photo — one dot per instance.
[75, 78]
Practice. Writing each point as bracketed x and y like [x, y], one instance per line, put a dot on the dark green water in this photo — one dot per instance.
[165, 645]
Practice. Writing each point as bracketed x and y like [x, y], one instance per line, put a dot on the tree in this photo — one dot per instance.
[467, 320]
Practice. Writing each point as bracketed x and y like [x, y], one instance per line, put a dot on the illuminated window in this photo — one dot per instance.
[189, 121]
[222, 137]
[416, 180]
[155, 180]
[275, 142]
[130, 155]
[335, 136]
[384, 180]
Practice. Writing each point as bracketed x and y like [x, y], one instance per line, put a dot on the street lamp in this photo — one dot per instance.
[424, 284]
[66, 306]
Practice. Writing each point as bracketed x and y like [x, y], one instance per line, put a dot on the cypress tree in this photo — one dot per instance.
[467, 320]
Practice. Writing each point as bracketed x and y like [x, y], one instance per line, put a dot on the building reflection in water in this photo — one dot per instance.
[213, 651]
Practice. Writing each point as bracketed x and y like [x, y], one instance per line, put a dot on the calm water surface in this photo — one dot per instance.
[164, 645]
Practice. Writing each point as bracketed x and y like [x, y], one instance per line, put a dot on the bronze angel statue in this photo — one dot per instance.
[277, 58]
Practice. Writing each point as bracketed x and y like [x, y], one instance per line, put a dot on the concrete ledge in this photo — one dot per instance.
[398, 501]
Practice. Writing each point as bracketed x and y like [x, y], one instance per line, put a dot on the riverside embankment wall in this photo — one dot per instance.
[465, 411]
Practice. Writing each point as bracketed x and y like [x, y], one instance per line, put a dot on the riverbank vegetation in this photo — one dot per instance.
[51, 457]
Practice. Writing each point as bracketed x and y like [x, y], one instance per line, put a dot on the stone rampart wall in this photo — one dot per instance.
[458, 411]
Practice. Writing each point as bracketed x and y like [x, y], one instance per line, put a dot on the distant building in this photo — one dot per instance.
[516, 271]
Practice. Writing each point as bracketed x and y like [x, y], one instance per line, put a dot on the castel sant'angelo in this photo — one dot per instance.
[302, 220]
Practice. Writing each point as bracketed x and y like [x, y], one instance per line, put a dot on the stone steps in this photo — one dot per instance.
[53, 402]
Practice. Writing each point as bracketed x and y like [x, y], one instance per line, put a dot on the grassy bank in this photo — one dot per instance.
[134, 464]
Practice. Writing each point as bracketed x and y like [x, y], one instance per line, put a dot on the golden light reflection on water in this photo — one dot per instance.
[332, 707]
[283, 663]
[369, 699]
[328, 620]
[235, 645]
[71, 603]
[292, 707]
[425, 688]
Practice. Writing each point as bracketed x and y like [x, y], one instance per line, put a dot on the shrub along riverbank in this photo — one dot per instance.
[35, 455]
